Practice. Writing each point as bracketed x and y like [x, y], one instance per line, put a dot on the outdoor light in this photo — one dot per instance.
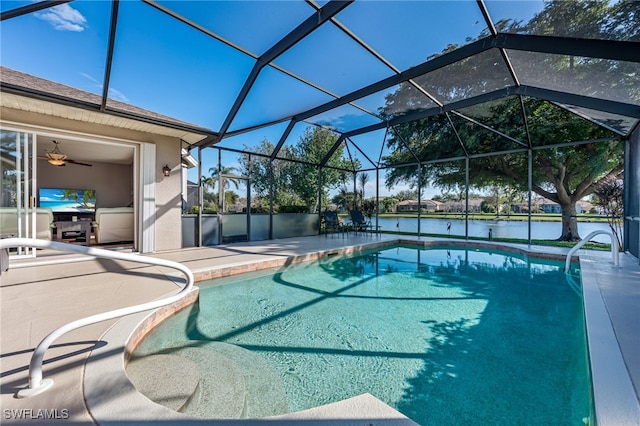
[166, 170]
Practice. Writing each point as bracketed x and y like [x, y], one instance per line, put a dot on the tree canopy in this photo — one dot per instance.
[296, 182]
[496, 136]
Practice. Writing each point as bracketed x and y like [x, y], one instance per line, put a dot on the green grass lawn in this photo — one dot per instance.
[535, 217]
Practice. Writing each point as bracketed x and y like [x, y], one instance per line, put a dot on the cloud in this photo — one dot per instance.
[64, 18]
[117, 95]
[114, 94]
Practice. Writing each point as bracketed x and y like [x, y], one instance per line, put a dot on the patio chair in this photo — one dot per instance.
[331, 222]
[359, 222]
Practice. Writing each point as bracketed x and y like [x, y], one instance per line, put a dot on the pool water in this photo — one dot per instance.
[446, 336]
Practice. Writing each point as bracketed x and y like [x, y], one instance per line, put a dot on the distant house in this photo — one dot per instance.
[522, 207]
[460, 206]
[585, 206]
[554, 208]
[414, 205]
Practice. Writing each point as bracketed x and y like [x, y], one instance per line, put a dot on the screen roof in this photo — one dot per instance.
[240, 72]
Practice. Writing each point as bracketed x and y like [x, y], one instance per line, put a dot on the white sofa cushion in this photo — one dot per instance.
[44, 222]
[113, 224]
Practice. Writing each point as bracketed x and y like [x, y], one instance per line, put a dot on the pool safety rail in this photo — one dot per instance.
[37, 384]
[614, 248]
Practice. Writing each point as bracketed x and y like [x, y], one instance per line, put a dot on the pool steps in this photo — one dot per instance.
[126, 402]
[224, 381]
[151, 374]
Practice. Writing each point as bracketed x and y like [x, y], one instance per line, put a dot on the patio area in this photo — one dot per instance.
[40, 296]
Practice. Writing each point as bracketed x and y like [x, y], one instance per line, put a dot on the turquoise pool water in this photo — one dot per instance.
[446, 336]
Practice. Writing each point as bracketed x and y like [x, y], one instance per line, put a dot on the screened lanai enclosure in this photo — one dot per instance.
[308, 106]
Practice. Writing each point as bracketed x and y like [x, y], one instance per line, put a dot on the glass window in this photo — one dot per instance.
[407, 33]
[153, 69]
[599, 78]
[30, 41]
[478, 74]
[269, 21]
[332, 60]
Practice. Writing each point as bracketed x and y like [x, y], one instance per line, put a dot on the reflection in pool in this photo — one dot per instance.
[446, 336]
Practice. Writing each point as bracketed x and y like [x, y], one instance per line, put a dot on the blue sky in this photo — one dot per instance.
[170, 68]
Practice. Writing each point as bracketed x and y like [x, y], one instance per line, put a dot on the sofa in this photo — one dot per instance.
[113, 224]
[44, 223]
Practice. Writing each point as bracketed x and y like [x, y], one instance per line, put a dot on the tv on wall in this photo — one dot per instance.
[65, 200]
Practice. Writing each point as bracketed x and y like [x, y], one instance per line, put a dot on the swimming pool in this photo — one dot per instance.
[446, 336]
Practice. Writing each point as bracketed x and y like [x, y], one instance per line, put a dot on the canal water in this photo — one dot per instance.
[480, 228]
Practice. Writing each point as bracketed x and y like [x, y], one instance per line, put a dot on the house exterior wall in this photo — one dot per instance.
[167, 189]
[168, 194]
[412, 206]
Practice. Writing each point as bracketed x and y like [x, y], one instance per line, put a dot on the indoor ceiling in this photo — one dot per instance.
[87, 151]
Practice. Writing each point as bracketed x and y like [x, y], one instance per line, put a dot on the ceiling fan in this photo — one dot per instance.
[57, 158]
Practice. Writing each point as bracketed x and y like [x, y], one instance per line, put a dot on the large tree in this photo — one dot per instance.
[296, 182]
[564, 174]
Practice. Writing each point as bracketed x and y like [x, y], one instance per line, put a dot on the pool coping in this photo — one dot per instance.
[114, 400]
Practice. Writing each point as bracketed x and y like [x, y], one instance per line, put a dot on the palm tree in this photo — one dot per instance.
[363, 178]
[225, 171]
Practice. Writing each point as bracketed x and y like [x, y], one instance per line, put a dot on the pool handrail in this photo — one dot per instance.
[614, 247]
[37, 384]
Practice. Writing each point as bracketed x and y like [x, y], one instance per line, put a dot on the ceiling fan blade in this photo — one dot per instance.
[47, 159]
[78, 163]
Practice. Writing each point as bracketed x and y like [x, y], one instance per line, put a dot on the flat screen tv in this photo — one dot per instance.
[66, 200]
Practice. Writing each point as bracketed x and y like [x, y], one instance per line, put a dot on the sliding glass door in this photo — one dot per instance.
[17, 204]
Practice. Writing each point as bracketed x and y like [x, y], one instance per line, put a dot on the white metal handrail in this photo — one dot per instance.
[614, 247]
[37, 384]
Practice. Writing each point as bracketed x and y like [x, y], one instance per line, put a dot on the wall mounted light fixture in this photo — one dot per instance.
[166, 170]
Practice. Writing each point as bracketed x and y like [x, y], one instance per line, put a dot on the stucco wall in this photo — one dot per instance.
[168, 199]
[168, 195]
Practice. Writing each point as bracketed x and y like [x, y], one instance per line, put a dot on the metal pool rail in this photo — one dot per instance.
[614, 248]
[37, 384]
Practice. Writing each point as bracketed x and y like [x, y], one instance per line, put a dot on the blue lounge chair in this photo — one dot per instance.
[359, 222]
[332, 223]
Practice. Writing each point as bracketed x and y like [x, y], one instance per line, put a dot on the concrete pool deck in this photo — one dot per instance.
[36, 297]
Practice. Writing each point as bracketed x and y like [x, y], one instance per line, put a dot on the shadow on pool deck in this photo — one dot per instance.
[36, 298]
